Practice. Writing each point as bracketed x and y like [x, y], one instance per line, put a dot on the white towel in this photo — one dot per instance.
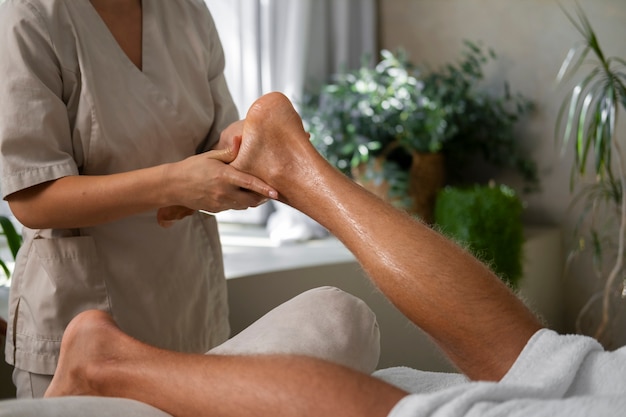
[287, 225]
[554, 375]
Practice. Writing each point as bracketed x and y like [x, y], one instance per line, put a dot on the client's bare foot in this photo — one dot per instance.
[90, 341]
[275, 145]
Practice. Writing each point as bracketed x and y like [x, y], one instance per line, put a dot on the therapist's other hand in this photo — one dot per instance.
[167, 216]
[206, 182]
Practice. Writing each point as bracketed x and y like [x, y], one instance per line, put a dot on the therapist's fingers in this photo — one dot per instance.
[226, 155]
[244, 199]
[232, 131]
[242, 179]
[167, 216]
[247, 183]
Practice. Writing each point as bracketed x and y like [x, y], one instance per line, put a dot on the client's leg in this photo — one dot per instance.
[98, 359]
[325, 323]
[440, 287]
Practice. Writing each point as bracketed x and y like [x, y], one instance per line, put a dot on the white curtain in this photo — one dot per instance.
[283, 45]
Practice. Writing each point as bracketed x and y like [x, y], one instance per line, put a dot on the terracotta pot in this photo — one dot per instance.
[426, 178]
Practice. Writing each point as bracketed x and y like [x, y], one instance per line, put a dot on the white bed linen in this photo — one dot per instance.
[555, 375]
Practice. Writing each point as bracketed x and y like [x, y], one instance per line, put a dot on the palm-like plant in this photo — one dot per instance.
[587, 122]
[13, 238]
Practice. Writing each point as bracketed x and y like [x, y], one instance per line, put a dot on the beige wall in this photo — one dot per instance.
[531, 38]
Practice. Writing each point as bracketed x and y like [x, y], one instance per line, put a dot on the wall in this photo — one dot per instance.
[531, 38]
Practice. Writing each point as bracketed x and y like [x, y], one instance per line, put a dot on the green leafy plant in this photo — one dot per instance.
[13, 239]
[396, 108]
[587, 123]
[482, 123]
[365, 112]
[487, 220]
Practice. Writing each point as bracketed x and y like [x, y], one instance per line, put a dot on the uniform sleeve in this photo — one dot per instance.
[225, 109]
[35, 138]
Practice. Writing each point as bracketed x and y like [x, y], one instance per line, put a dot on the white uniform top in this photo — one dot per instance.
[555, 375]
[72, 103]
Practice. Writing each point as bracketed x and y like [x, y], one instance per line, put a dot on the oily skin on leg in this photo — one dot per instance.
[435, 283]
[440, 287]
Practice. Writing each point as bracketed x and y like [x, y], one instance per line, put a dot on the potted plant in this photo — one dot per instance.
[393, 126]
[587, 123]
[487, 220]
[371, 121]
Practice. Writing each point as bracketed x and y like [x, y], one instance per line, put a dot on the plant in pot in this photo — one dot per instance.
[392, 127]
[371, 123]
[587, 123]
[487, 220]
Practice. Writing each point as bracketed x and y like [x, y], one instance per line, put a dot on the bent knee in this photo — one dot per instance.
[349, 323]
[340, 304]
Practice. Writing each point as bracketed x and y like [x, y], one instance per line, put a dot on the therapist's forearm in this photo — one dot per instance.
[82, 201]
[200, 182]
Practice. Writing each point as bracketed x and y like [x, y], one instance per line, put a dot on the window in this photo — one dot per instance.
[285, 45]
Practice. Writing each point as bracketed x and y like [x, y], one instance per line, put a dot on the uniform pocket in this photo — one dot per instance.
[62, 278]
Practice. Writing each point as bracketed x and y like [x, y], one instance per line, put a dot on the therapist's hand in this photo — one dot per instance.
[206, 182]
[228, 137]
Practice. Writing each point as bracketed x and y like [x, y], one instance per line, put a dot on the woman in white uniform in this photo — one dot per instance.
[106, 107]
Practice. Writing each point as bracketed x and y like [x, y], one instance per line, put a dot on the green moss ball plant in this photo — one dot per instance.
[486, 219]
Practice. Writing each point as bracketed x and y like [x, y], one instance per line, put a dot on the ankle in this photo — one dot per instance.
[101, 377]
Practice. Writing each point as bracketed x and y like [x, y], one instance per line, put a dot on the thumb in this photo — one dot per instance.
[229, 154]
